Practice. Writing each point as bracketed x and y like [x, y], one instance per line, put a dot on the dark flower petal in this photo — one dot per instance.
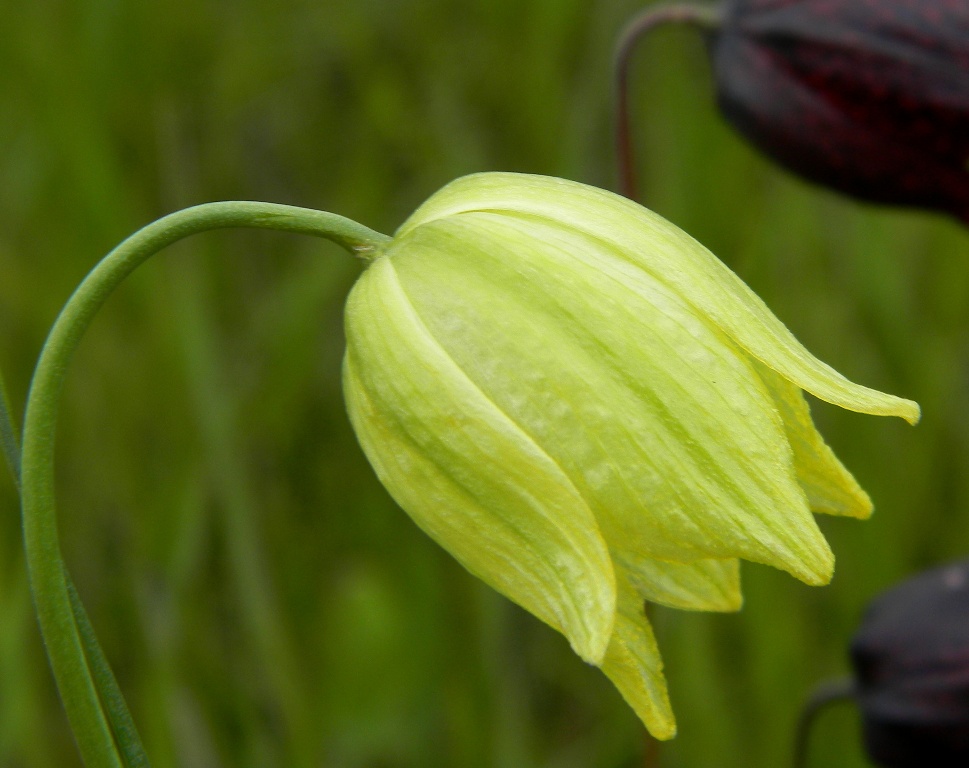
[911, 660]
[869, 98]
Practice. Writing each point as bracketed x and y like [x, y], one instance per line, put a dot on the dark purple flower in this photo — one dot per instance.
[869, 97]
[911, 660]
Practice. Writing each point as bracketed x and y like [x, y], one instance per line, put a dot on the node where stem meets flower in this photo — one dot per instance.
[589, 410]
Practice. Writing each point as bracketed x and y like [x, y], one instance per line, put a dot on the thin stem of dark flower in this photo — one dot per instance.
[703, 16]
[828, 692]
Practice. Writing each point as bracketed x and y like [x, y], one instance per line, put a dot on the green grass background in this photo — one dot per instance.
[262, 599]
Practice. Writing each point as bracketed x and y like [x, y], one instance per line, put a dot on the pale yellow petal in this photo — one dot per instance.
[672, 256]
[634, 665]
[656, 417]
[704, 585]
[467, 474]
[831, 489]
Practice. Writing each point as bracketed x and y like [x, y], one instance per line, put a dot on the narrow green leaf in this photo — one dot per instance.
[113, 703]
[119, 717]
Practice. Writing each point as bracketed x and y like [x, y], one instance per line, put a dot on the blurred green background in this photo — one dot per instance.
[262, 599]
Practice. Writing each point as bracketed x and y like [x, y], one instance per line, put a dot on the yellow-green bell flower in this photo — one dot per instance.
[589, 411]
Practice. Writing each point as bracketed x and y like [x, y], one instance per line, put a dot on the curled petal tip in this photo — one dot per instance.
[912, 413]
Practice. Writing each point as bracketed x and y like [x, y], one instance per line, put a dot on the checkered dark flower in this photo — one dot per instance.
[911, 659]
[870, 98]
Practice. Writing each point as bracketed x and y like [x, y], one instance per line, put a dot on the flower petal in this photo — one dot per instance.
[467, 474]
[831, 489]
[655, 416]
[704, 585]
[634, 665]
[659, 247]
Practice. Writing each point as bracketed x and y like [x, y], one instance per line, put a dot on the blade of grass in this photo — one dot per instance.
[119, 717]
[217, 413]
[113, 703]
[9, 438]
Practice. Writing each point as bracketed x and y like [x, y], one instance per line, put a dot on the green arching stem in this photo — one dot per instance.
[49, 584]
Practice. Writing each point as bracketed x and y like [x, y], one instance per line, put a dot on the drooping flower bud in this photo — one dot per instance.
[589, 410]
[869, 98]
[911, 660]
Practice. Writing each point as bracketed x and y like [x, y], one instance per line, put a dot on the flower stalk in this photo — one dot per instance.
[825, 694]
[66, 632]
[695, 14]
